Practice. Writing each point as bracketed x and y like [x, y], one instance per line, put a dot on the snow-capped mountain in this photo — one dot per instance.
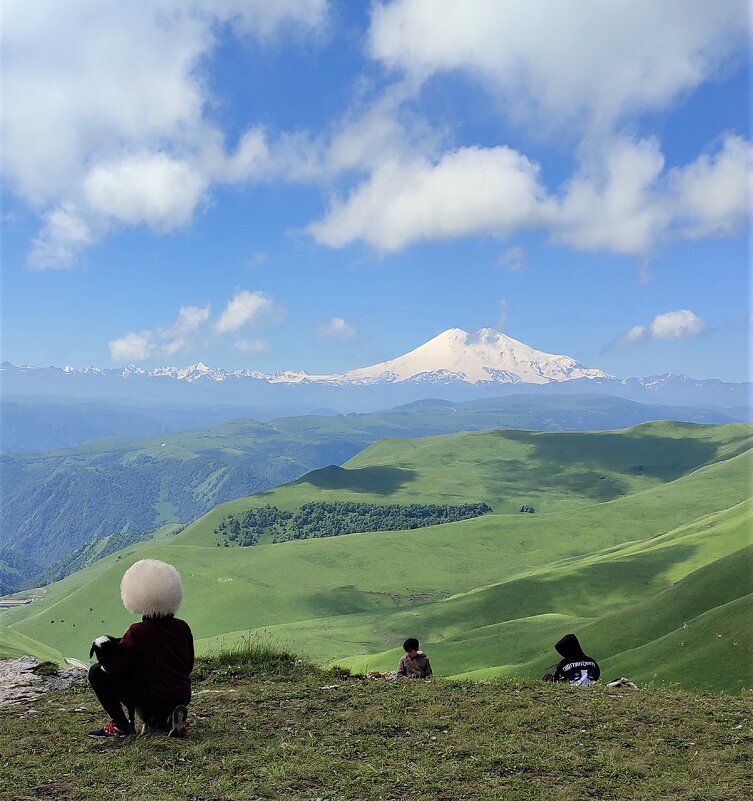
[456, 365]
[456, 355]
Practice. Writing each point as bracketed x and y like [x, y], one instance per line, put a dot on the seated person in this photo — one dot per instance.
[415, 664]
[575, 667]
[149, 668]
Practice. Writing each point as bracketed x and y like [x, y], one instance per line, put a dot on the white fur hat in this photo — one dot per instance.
[151, 588]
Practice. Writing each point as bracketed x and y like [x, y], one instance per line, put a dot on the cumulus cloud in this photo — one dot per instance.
[620, 198]
[103, 111]
[615, 205]
[64, 235]
[711, 196]
[247, 307]
[134, 347]
[469, 191]
[337, 328]
[550, 65]
[682, 324]
[164, 342]
[624, 202]
[178, 336]
[150, 188]
[629, 203]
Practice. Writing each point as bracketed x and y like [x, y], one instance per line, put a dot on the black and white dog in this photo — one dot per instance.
[105, 647]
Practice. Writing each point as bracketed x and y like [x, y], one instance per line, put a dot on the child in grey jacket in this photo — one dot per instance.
[415, 664]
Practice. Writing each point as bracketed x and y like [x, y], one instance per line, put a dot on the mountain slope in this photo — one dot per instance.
[364, 592]
[55, 502]
[486, 356]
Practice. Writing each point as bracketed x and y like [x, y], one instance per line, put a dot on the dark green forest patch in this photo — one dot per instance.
[320, 519]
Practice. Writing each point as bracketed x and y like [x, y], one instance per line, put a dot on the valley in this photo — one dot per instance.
[640, 542]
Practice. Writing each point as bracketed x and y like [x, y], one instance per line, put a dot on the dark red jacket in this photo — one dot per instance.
[159, 650]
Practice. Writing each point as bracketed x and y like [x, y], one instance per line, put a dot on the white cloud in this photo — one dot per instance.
[149, 188]
[337, 328]
[712, 195]
[103, 112]
[469, 191]
[504, 311]
[251, 347]
[624, 202]
[247, 307]
[162, 342]
[244, 307]
[178, 336]
[513, 259]
[134, 347]
[583, 76]
[638, 333]
[628, 203]
[681, 324]
[61, 240]
[552, 63]
[615, 206]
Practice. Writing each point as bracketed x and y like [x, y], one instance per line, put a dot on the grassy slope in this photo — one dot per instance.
[302, 584]
[512, 625]
[14, 644]
[286, 733]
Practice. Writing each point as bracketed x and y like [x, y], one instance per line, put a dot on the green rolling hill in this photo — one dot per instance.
[54, 502]
[629, 526]
[13, 644]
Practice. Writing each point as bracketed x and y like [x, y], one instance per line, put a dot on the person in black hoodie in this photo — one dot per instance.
[575, 667]
[149, 667]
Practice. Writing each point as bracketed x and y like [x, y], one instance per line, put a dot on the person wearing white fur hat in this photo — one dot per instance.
[149, 668]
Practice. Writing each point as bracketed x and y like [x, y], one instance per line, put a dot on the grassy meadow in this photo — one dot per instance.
[263, 728]
[13, 645]
[639, 544]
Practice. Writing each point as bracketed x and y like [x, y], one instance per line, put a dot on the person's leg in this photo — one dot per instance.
[166, 716]
[112, 692]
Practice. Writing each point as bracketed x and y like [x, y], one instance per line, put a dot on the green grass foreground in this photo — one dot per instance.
[263, 727]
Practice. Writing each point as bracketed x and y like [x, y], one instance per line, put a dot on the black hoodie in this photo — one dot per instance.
[575, 667]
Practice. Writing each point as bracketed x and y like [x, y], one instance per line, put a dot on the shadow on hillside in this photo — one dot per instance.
[378, 480]
[665, 458]
[589, 590]
[542, 476]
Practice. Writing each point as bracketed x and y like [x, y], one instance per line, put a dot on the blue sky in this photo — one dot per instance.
[324, 185]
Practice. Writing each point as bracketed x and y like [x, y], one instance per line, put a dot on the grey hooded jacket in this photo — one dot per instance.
[417, 667]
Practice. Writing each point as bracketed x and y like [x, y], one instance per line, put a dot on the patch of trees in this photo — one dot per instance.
[321, 519]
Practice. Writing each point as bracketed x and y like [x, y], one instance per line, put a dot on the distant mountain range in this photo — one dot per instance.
[456, 365]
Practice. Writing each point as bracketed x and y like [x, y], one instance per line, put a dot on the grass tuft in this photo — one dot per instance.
[254, 656]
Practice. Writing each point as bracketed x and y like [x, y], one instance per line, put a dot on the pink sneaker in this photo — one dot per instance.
[110, 730]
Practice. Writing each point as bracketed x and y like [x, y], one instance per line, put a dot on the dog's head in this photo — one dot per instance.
[104, 647]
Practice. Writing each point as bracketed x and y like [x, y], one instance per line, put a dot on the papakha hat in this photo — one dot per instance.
[151, 588]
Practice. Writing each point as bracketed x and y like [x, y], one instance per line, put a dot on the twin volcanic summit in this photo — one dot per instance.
[455, 365]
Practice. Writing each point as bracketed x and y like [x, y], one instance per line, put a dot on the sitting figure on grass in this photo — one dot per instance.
[415, 664]
[575, 667]
[149, 668]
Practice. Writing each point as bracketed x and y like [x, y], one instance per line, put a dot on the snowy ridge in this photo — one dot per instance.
[486, 357]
